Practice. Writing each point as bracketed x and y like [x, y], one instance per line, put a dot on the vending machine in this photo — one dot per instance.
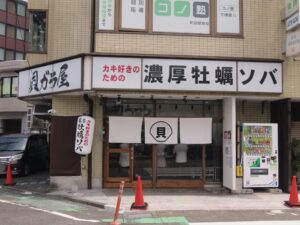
[259, 145]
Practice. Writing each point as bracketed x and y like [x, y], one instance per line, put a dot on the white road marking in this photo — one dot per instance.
[285, 222]
[50, 212]
[294, 214]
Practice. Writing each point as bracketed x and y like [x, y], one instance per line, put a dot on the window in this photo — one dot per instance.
[9, 55]
[37, 32]
[11, 7]
[19, 56]
[9, 86]
[3, 5]
[20, 34]
[2, 29]
[196, 17]
[21, 10]
[11, 31]
[2, 51]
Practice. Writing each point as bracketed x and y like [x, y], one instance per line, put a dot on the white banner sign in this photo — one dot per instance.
[259, 77]
[293, 43]
[195, 130]
[58, 77]
[191, 16]
[161, 130]
[84, 135]
[196, 75]
[125, 129]
[228, 16]
[117, 73]
[292, 22]
[106, 14]
[133, 14]
[291, 6]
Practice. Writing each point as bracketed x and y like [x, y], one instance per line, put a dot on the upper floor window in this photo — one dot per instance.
[21, 9]
[2, 29]
[2, 54]
[9, 86]
[20, 35]
[19, 56]
[200, 17]
[37, 31]
[11, 7]
[11, 31]
[3, 5]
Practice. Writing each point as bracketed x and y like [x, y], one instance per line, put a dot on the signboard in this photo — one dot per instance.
[260, 155]
[228, 16]
[291, 6]
[117, 73]
[293, 43]
[186, 16]
[53, 78]
[106, 14]
[84, 135]
[196, 75]
[161, 130]
[259, 77]
[133, 14]
[292, 22]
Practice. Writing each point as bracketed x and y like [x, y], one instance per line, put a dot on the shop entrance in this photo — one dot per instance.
[163, 166]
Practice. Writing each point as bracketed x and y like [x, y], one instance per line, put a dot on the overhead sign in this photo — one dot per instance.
[191, 16]
[58, 77]
[293, 43]
[228, 16]
[84, 135]
[292, 22]
[117, 73]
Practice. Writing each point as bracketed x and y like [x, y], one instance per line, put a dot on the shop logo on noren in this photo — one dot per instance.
[161, 131]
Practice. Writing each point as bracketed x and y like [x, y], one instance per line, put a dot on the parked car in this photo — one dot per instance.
[24, 152]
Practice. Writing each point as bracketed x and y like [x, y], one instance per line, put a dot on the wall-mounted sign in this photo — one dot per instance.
[228, 16]
[259, 77]
[84, 135]
[186, 16]
[106, 14]
[133, 14]
[58, 77]
[196, 75]
[117, 73]
[291, 6]
[292, 22]
[293, 43]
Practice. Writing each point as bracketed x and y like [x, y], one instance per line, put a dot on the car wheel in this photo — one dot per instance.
[26, 169]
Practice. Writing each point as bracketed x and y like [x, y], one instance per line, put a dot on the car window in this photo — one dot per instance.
[13, 143]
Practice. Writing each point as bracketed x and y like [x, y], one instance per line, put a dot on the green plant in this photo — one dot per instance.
[295, 149]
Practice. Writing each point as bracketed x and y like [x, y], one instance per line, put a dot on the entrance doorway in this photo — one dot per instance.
[163, 166]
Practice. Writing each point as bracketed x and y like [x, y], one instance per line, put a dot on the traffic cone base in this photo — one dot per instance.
[293, 201]
[141, 207]
[9, 178]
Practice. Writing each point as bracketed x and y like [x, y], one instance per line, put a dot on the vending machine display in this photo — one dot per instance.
[260, 155]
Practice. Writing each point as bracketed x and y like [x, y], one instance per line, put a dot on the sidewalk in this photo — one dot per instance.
[179, 199]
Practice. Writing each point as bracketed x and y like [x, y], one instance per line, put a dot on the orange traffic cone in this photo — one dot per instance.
[139, 196]
[293, 201]
[9, 178]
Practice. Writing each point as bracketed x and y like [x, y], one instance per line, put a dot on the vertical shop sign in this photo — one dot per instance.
[228, 16]
[196, 75]
[291, 6]
[182, 16]
[113, 72]
[106, 14]
[84, 135]
[260, 77]
[293, 43]
[133, 14]
[292, 22]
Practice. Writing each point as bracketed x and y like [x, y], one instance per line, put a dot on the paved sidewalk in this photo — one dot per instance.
[179, 199]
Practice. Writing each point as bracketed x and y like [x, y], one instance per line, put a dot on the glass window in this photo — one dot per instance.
[3, 5]
[11, 7]
[20, 34]
[14, 86]
[6, 86]
[2, 54]
[19, 56]
[2, 29]
[9, 55]
[21, 10]
[37, 31]
[11, 31]
[1, 80]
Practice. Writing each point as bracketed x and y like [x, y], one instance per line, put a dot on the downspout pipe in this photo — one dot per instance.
[93, 22]
[90, 102]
